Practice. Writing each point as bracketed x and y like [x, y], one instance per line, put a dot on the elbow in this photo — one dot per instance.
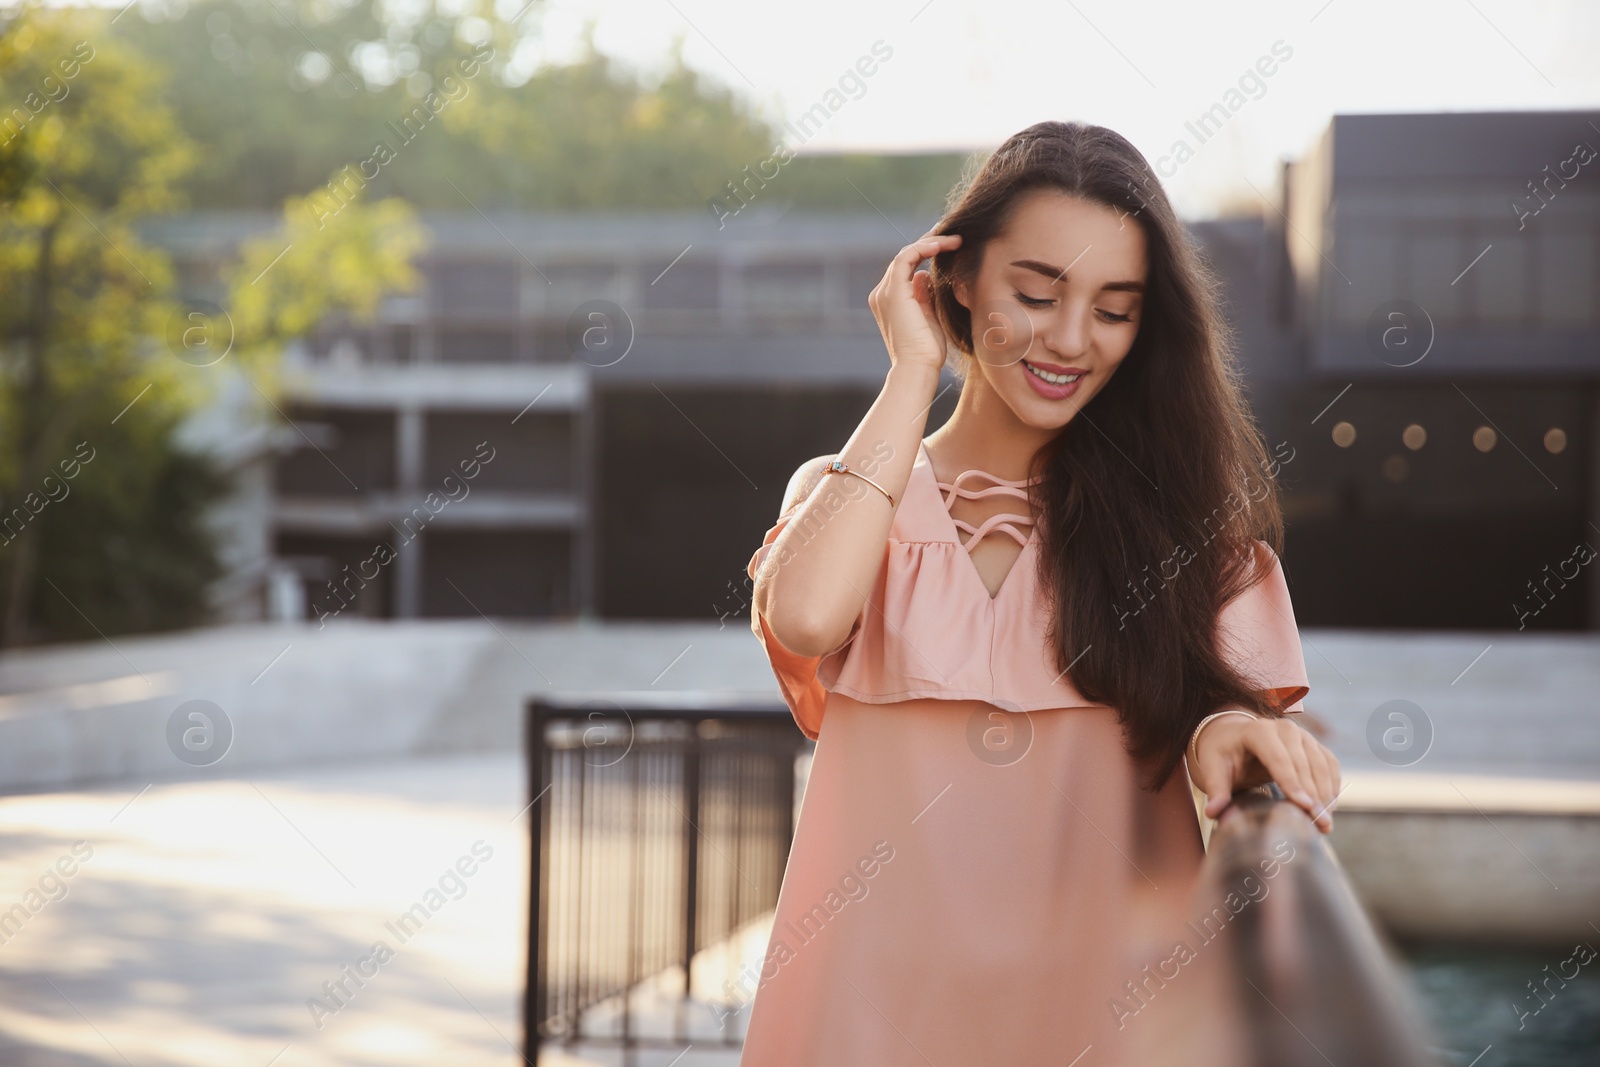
[803, 636]
[798, 636]
[797, 625]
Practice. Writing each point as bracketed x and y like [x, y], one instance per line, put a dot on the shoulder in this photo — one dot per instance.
[1264, 557]
[1255, 555]
[1269, 565]
[1258, 570]
[805, 479]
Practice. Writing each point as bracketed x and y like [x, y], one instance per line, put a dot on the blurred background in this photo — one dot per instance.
[372, 368]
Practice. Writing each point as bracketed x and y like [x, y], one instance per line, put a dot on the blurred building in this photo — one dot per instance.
[1416, 316]
[626, 374]
[1444, 269]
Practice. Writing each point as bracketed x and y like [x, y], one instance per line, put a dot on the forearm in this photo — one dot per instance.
[824, 563]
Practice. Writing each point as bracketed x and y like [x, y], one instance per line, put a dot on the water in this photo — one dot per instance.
[1485, 1013]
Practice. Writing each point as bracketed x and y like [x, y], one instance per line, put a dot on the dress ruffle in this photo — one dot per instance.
[930, 629]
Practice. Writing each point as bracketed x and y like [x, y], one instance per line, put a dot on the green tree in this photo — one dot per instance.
[91, 150]
[102, 512]
[319, 264]
[285, 92]
[590, 135]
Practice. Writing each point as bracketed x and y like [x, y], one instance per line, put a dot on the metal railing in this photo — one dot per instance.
[661, 825]
[1304, 977]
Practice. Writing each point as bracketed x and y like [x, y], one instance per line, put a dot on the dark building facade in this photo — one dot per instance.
[1416, 318]
[1443, 286]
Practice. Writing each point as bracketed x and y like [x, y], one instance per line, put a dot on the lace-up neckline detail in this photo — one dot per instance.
[1019, 527]
[1005, 521]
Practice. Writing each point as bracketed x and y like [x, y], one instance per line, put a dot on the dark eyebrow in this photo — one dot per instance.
[1055, 273]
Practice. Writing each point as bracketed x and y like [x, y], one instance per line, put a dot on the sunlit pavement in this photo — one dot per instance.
[208, 914]
[192, 923]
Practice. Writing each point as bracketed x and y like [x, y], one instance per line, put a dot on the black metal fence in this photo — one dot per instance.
[661, 824]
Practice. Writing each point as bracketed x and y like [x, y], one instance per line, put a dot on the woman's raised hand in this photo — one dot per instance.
[902, 302]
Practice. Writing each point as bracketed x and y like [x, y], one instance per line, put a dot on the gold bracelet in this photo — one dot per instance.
[1194, 752]
[838, 467]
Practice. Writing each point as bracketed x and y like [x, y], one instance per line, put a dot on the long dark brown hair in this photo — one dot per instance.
[1153, 495]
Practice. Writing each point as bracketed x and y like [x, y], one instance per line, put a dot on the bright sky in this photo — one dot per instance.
[967, 75]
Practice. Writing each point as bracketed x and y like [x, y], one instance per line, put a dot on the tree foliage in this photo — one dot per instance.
[91, 149]
[284, 284]
[344, 115]
[280, 105]
[102, 511]
[284, 94]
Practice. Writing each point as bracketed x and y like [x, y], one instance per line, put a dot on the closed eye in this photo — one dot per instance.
[1042, 302]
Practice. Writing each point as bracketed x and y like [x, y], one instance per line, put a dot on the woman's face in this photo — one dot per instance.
[1059, 290]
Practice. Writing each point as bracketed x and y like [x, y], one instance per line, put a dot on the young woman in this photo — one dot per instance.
[1007, 637]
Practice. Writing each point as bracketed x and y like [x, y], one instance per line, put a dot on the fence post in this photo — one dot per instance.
[533, 991]
[691, 853]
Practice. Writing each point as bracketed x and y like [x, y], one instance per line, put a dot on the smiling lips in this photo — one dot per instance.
[1051, 381]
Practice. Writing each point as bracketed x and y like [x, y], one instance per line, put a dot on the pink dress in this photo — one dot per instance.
[975, 871]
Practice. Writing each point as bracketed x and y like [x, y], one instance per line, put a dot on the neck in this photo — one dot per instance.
[985, 434]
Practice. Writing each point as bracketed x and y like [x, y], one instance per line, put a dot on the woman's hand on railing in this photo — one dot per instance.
[1235, 752]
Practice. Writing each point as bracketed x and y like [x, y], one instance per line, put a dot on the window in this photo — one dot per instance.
[465, 287]
[1437, 259]
[534, 455]
[572, 284]
[1370, 258]
[783, 288]
[477, 345]
[689, 285]
[1568, 279]
[1500, 282]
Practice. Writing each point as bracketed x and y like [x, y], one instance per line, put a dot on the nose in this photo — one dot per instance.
[1066, 335]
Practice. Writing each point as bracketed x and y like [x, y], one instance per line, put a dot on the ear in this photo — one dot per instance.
[961, 287]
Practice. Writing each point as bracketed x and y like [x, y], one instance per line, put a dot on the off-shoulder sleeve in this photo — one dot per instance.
[1256, 632]
[796, 674]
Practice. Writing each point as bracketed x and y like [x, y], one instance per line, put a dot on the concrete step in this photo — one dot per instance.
[1473, 858]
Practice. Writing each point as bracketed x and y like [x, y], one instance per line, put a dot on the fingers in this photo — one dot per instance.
[1213, 776]
[1303, 768]
[1324, 771]
[903, 267]
[1217, 767]
[1330, 770]
[922, 248]
[912, 335]
[1305, 784]
[1217, 800]
[931, 236]
[1288, 754]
